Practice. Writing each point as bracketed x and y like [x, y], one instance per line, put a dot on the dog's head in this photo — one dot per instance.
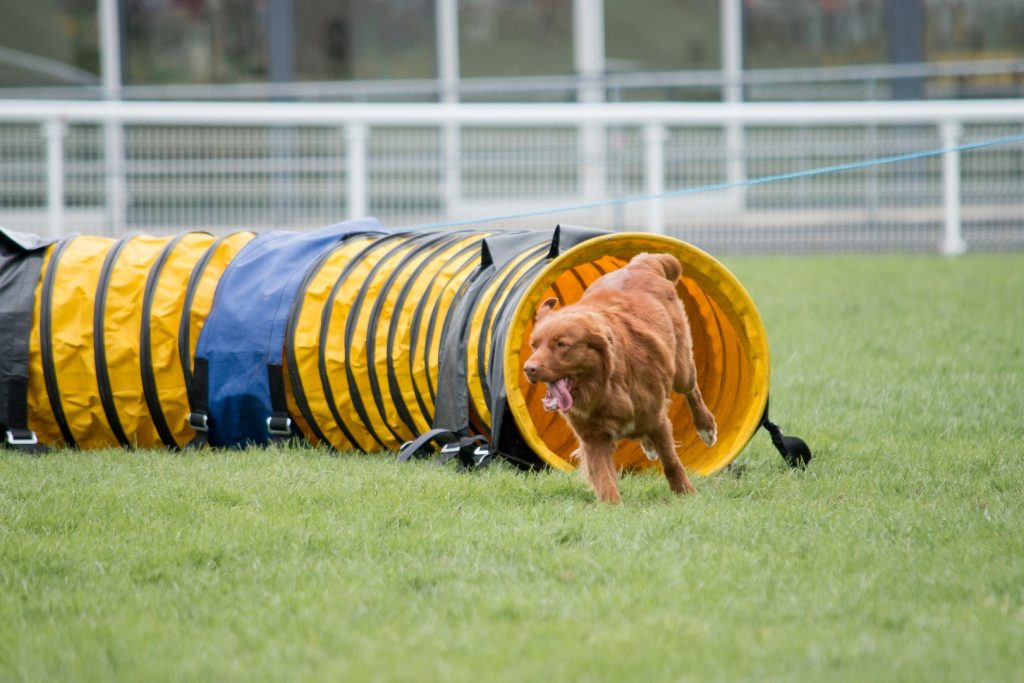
[570, 348]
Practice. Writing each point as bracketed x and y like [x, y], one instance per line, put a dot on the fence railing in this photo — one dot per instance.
[112, 167]
[947, 78]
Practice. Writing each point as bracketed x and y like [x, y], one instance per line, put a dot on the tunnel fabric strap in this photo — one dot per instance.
[279, 424]
[21, 262]
[504, 289]
[433, 327]
[793, 449]
[420, 348]
[244, 332]
[185, 345]
[568, 236]
[411, 279]
[452, 404]
[488, 328]
[499, 250]
[199, 418]
[504, 433]
[471, 451]
[419, 446]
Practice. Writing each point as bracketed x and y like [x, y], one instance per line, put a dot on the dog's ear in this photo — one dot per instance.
[546, 308]
[598, 338]
[601, 341]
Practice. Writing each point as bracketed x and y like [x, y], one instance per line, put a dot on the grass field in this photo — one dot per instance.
[898, 555]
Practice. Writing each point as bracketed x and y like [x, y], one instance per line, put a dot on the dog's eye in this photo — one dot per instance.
[562, 344]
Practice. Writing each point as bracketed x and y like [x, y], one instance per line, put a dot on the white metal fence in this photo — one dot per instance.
[112, 167]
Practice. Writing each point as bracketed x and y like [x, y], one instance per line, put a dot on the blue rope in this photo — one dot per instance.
[616, 201]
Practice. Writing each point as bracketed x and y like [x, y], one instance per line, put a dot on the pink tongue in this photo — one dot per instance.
[558, 396]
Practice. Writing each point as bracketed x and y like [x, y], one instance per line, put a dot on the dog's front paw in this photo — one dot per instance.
[708, 436]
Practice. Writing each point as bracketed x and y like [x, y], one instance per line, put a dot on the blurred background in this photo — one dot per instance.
[164, 115]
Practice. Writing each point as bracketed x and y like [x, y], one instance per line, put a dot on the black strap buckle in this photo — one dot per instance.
[451, 449]
[199, 422]
[279, 425]
[482, 455]
[21, 437]
[471, 451]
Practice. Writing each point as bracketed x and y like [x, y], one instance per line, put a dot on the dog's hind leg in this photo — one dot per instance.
[684, 381]
[661, 441]
[703, 420]
[648, 448]
[599, 468]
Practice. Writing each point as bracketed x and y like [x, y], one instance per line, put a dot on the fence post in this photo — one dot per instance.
[953, 243]
[590, 64]
[113, 128]
[451, 141]
[357, 134]
[446, 19]
[117, 193]
[654, 143]
[53, 131]
[731, 40]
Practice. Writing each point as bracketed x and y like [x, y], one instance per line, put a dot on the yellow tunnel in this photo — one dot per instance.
[389, 335]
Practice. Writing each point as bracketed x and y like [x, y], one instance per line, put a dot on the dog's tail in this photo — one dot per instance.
[662, 264]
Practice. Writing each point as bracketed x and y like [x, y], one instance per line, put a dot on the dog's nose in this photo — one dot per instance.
[531, 371]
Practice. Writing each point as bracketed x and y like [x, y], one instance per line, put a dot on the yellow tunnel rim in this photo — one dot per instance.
[626, 245]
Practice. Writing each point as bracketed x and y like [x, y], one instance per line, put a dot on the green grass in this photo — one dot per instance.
[898, 555]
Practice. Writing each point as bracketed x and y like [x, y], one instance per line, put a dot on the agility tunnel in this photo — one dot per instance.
[351, 336]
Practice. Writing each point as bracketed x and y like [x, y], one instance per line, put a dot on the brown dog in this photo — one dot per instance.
[611, 361]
